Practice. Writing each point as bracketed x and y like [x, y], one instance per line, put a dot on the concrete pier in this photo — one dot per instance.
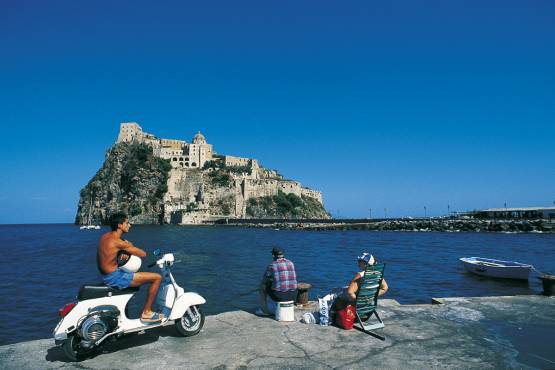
[456, 333]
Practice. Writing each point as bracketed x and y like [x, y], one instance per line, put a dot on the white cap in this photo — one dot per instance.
[366, 257]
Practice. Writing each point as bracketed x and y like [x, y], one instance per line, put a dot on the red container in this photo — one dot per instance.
[345, 318]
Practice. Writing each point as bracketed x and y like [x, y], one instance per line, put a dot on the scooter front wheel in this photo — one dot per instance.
[191, 322]
[73, 351]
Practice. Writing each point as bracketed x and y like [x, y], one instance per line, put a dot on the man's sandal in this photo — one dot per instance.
[155, 317]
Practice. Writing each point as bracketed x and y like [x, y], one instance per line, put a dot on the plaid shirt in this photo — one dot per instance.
[282, 273]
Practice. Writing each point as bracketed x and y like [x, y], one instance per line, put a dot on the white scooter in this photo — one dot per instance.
[100, 313]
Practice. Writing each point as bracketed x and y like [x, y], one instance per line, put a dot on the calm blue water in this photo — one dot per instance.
[45, 265]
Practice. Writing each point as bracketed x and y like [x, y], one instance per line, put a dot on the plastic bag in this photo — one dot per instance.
[308, 318]
[325, 304]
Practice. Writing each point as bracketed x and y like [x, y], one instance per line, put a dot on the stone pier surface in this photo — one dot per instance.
[458, 333]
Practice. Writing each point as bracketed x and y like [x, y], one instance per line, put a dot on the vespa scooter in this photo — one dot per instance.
[100, 313]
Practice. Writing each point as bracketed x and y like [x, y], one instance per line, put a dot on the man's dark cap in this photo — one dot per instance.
[277, 251]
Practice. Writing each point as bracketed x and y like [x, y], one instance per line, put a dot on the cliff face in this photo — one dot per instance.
[287, 206]
[131, 180]
[150, 191]
[196, 196]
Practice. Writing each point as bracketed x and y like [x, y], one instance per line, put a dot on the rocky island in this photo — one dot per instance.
[159, 181]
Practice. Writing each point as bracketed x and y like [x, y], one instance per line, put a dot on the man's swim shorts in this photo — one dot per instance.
[118, 279]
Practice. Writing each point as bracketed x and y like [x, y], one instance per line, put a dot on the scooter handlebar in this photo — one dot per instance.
[156, 253]
[166, 259]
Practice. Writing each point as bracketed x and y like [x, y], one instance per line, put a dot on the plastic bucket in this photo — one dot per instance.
[285, 311]
[548, 284]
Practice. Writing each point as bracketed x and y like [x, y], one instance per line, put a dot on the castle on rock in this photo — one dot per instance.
[189, 198]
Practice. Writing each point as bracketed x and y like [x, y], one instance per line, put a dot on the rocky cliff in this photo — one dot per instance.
[131, 180]
[146, 187]
[286, 206]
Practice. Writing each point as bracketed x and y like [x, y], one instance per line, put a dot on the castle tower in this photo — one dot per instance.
[129, 131]
[199, 139]
[199, 151]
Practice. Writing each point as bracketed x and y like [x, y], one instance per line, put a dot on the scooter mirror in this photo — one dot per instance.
[157, 252]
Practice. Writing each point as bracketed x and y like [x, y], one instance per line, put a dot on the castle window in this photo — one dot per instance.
[174, 159]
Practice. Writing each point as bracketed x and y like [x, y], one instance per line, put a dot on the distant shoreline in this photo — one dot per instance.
[416, 225]
[408, 225]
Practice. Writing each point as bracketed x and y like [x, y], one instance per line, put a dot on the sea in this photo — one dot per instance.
[44, 265]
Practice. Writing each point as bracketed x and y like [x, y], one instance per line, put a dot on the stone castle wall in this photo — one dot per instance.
[172, 144]
[312, 194]
[130, 131]
[270, 187]
[232, 161]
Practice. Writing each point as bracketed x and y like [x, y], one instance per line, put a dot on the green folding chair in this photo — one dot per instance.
[367, 299]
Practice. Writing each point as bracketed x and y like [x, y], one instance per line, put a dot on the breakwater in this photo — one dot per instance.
[432, 224]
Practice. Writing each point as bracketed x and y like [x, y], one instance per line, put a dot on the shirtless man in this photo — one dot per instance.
[106, 258]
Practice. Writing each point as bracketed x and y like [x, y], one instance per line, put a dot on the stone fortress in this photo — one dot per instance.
[190, 199]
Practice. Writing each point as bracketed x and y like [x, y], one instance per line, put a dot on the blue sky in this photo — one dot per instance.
[399, 105]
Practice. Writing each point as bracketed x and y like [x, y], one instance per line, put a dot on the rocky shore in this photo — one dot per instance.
[458, 333]
[422, 225]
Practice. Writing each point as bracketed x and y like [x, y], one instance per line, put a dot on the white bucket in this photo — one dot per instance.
[285, 311]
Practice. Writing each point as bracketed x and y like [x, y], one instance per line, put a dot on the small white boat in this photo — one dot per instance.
[90, 227]
[496, 268]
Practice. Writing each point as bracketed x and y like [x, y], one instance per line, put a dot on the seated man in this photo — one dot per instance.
[106, 258]
[279, 282]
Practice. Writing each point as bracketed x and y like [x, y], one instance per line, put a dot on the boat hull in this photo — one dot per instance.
[496, 268]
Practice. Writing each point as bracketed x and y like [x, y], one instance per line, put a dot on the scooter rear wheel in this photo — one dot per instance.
[191, 322]
[73, 351]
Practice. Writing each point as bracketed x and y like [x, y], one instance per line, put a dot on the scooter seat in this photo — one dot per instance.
[91, 291]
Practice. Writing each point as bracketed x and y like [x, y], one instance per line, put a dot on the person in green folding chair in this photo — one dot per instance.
[349, 293]
[363, 260]
[365, 290]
